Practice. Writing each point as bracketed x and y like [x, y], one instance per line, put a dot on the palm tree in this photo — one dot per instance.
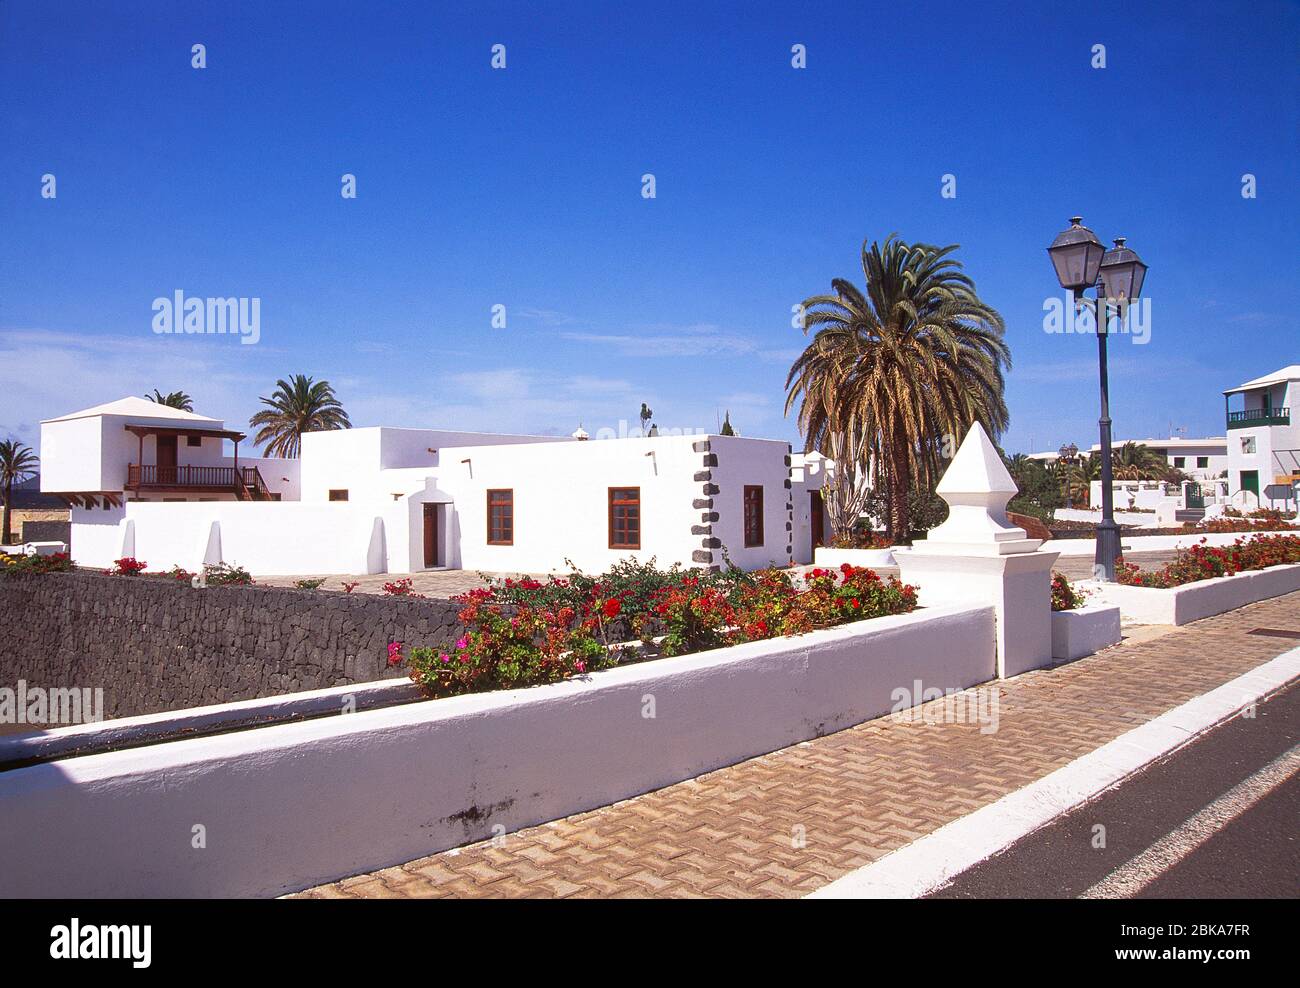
[1134, 462]
[177, 399]
[1079, 477]
[296, 406]
[910, 363]
[17, 462]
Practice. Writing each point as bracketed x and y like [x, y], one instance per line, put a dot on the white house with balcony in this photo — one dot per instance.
[133, 449]
[158, 485]
[1263, 438]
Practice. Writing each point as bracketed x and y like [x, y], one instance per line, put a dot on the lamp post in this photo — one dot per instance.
[1069, 455]
[1117, 274]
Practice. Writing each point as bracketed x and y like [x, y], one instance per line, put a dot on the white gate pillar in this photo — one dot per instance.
[977, 556]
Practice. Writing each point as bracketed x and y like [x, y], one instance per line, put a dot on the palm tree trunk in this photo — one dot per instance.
[900, 522]
[9, 490]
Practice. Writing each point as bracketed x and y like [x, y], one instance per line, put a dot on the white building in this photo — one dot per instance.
[1263, 439]
[155, 484]
[1201, 459]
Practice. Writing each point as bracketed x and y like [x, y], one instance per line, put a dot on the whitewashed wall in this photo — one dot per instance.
[294, 805]
[561, 492]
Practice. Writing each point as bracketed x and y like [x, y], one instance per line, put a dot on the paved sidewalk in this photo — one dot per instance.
[853, 796]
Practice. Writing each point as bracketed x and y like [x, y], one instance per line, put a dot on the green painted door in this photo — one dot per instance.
[1250, 481]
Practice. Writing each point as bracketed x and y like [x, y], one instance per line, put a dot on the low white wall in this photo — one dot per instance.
[286, 807]
[1154, 543]
[834, 558]
[1144, 518]
[1084, 630]
[1193, 601]
[265, 537]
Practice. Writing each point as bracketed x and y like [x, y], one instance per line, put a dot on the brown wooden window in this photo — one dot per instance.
[753, 511]
[338, 495]
[625, 518]
[193, 440]
[501, 517]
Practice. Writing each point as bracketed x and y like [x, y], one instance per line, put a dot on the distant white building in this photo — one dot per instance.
[156, 484]
[1201, 459]
[1263, 438]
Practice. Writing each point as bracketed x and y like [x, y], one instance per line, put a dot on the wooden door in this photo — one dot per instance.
[430, 536]
[817, 516]
[166, 459]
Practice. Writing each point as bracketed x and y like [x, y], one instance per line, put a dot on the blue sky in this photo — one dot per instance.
[522, 187]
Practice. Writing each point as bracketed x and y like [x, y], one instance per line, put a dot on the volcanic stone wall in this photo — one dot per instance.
[153, 644]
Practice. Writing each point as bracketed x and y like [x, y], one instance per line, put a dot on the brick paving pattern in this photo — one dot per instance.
[854, 796]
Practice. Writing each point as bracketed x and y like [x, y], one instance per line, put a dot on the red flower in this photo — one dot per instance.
[612, 608]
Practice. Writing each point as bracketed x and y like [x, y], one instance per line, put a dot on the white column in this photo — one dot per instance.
[978, 556]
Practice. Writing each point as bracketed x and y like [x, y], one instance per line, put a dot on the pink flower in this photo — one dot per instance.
[463, 643]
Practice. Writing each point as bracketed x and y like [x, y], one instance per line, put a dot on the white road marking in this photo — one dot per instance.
[937, 858]
[1131, 878]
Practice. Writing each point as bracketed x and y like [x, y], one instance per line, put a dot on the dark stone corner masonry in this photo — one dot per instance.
[155, 645]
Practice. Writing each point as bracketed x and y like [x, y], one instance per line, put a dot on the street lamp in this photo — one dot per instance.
[1082, 263]
[1069, 455]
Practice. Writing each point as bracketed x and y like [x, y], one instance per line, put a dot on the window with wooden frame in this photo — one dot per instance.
[625, 517]
[337, 494]
[193, 440]
[753, 512]
[501, 517]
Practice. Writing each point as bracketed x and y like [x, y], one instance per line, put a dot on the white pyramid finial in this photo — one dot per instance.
[977, 469]
[977, 487]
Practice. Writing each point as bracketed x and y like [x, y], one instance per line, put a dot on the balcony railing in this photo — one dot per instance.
[152, 475]
[1259, 416]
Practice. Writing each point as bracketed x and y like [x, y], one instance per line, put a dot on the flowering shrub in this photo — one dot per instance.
[694, 617]
[128, 566]
[226, 575]
[1204, 562]
[58, 562]
[350, 585]
[310, 583]
[1064, 596]
[399, 588]
[530, 646]
[1260, 521]
[394, 653]
[851, 593]
[525, 632]
[633, 583]
[180, 574]
[862, 539]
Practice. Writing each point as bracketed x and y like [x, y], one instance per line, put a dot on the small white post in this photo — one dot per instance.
[978, 556]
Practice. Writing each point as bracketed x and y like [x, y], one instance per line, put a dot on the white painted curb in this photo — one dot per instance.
[935, 859]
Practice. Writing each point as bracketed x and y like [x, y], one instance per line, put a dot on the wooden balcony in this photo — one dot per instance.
[245, 483]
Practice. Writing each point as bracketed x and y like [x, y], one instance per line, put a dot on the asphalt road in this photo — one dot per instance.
[1219, 818]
